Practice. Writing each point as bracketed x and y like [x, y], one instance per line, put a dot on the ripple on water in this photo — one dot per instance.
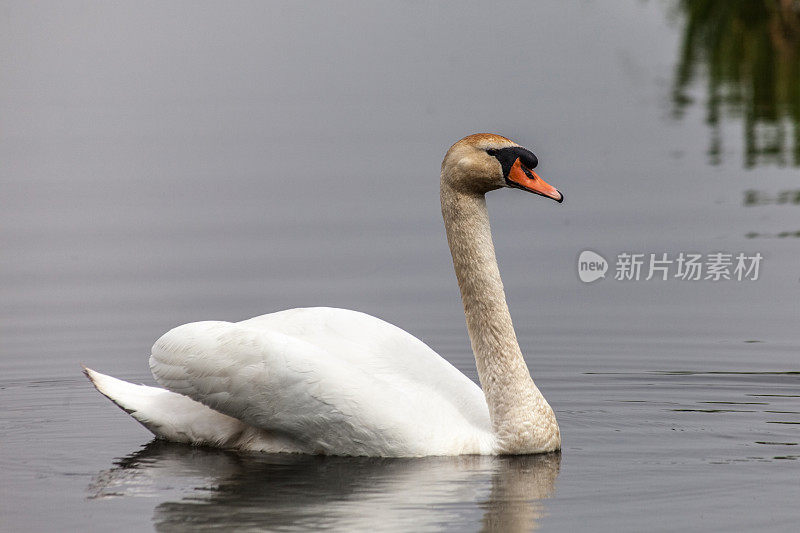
[730, 414]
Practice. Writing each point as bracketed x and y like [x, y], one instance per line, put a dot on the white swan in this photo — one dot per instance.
[339, 382]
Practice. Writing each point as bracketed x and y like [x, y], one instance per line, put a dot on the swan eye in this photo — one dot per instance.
[491, 151]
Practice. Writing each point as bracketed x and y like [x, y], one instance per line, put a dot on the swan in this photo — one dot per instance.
[339, 382]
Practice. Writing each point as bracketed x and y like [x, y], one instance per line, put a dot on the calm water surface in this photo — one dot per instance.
[166, 164]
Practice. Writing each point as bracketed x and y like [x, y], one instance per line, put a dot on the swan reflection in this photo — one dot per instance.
[211, 489]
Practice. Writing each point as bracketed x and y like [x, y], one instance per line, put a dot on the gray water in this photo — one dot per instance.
[163, 164]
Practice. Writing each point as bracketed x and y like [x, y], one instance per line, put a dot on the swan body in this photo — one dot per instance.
[339, 382]
[347, 382]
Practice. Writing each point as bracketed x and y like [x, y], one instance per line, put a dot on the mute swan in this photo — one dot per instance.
[338, 382]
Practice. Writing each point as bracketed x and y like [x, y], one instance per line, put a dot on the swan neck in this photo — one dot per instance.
[514, 401]
[488, 319]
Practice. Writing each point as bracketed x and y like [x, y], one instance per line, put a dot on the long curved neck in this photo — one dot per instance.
[521, 418]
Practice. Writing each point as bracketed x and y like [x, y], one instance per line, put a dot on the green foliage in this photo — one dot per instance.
[750, 50]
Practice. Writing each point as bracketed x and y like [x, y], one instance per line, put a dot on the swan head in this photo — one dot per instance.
[484, 162]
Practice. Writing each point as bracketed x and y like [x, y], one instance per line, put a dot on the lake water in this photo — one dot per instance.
[163, 164]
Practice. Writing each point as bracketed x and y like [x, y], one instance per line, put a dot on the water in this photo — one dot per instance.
[166, 164]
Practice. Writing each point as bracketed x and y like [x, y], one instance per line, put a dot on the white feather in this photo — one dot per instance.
[322, 380]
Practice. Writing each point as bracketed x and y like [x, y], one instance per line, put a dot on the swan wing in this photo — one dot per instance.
[336, 381]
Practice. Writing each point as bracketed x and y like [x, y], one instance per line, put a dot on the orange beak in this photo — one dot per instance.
[524, 178]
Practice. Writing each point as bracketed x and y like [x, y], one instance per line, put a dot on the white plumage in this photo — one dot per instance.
[323, 380]
[347, 382]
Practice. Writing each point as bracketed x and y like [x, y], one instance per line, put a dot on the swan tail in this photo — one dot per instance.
[169, 415]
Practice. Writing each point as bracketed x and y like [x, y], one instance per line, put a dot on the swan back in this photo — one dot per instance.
[338, 381]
